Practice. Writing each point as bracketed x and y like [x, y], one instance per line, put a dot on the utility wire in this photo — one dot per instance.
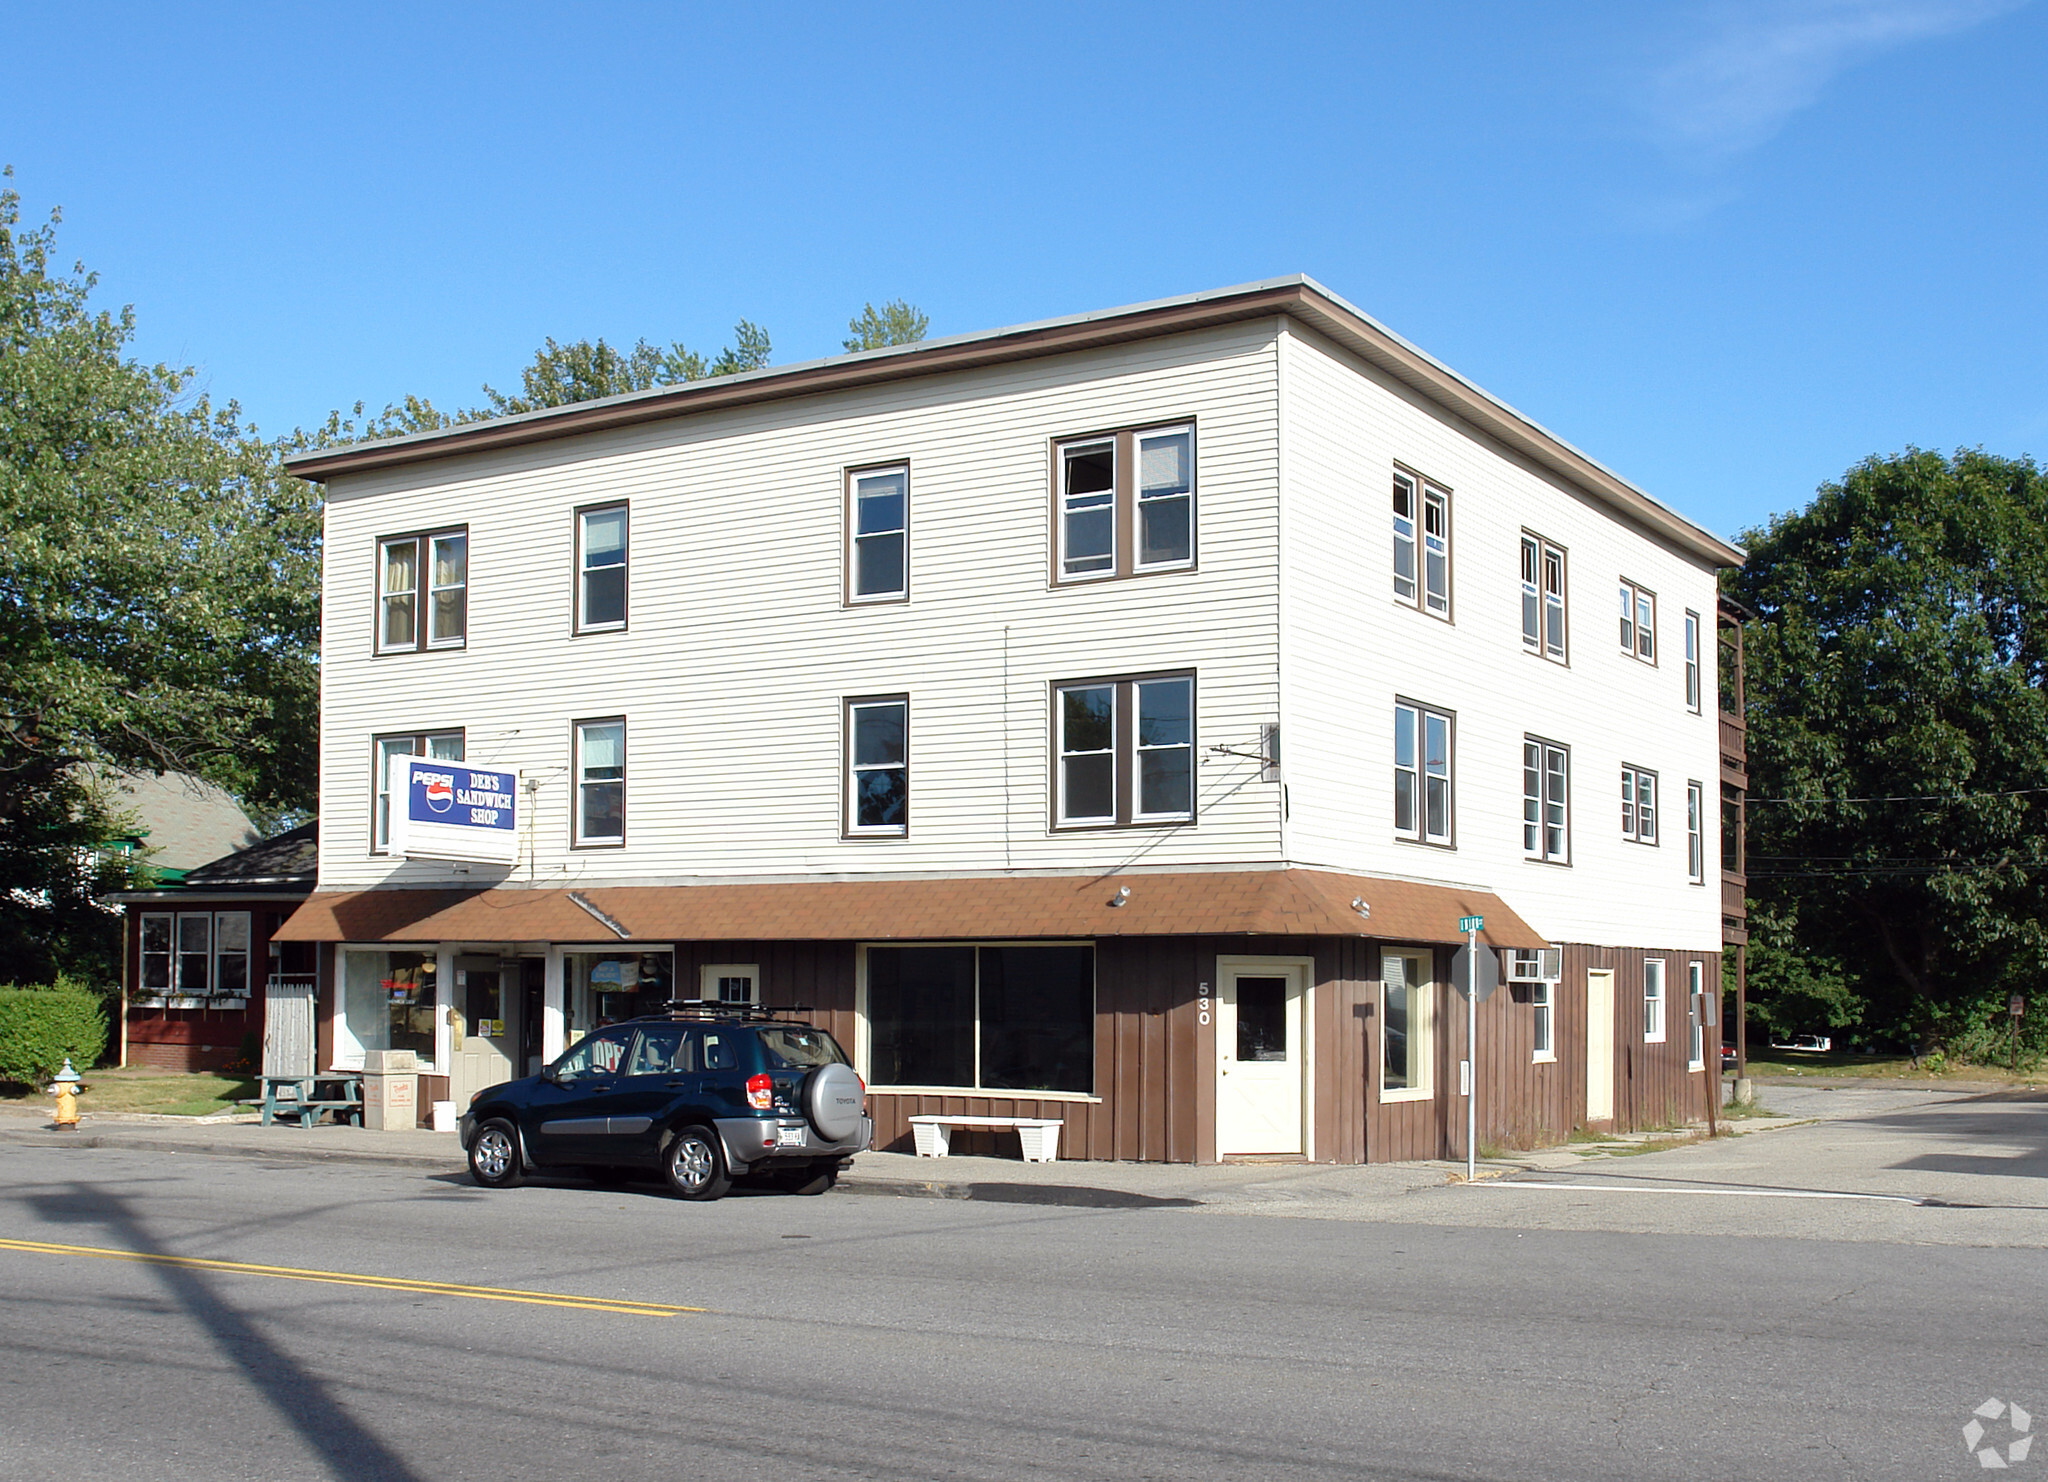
[1925, 797]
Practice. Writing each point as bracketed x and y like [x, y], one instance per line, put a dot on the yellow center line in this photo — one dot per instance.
[351, 1278]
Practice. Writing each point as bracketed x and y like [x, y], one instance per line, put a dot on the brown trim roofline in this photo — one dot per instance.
[1298, 297]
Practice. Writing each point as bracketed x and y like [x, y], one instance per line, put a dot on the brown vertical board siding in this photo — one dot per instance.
[1652, 1086]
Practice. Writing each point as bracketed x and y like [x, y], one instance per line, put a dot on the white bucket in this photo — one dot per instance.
[444, 1116]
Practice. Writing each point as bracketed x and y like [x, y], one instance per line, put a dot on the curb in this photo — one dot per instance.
[1066, 1195]
[283, 1151]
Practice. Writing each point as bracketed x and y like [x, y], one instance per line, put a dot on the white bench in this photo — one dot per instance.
[1039, 1135]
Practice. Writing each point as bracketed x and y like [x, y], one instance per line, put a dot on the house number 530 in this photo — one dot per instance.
[1202, 1006]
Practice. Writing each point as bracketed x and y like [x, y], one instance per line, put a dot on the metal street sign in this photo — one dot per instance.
[1485, 980]
[1471, 923]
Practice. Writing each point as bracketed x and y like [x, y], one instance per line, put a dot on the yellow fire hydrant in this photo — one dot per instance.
[67, 1086]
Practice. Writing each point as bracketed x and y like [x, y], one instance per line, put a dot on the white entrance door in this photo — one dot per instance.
[1600, 1045]
[1261, 1056]
[487, 1004]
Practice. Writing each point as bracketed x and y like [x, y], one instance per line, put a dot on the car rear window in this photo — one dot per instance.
[799, 1049]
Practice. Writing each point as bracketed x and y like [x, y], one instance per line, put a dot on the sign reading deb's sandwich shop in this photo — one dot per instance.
[449, 810]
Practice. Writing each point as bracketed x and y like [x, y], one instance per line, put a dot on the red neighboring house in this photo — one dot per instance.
[197, 955]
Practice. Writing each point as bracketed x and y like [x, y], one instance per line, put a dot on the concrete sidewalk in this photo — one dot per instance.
[1004, 1180]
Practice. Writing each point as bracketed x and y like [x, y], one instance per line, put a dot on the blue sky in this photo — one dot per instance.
[1728, 247]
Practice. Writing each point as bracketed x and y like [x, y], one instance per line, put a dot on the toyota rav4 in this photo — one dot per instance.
[708, 1094]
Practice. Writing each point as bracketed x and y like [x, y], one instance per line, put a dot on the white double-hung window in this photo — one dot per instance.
[1422, 544]
[1126, 751]
[440, 746]
[601, 568]
[1543, 597]
[600, 782]
[1125, 504]
[423, 591]
[878, 766]
[1423, 801]
[1638, 804]
[1638, 621]
[1696, 833]
[1546, 814]
[1653, 1000]
[878, 534]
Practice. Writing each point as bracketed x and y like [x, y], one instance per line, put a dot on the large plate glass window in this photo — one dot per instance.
[601, 987]
[1125, 503]
[1546, 815]
[601, 568]
[1422, 773]
[436, 617]
[1638, 805]
[601, 781]
[1407, 1025]
[878, 766]
[389, 1001]
[983, 1018]
[440, 746]
[1126, 751]
[879, 562]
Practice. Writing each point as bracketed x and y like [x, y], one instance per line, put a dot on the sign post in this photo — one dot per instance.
[2017, 1007]
[1471, 926]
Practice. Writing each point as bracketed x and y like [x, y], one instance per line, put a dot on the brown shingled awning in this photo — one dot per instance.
[1312, 903]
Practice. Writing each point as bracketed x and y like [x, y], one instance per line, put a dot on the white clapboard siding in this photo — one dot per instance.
[741, 650]
[1350, 648]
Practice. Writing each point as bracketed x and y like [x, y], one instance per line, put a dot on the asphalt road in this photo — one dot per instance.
[843, 1336]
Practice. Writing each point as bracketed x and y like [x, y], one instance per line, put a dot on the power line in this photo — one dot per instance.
[1925, 797]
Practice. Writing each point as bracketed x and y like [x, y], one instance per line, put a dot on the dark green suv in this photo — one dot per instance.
[708, 1093]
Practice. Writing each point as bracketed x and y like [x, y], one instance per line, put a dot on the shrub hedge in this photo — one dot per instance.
[40, 1024]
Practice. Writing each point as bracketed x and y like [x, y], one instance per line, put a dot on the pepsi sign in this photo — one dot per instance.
[451, 810]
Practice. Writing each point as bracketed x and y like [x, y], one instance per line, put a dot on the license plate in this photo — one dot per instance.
[789, 1137]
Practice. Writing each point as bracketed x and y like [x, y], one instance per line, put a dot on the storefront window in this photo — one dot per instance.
[983, 1018]
[390, 1001]
[604, 987]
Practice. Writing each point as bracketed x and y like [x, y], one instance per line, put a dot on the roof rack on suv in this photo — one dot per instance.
[745, 1013]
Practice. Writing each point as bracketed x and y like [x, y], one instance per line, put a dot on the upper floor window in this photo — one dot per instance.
[1696, 833]
[1422, 538]
[1638, 804]
[1542, 597]
[601, 568]
[1546, 827]
[423, 591]
[440, 746]
[600, 764]
[1692, 661]
[1422, 773]
[1126, 504]
[878, 766]
[1639, 622]
[1126, 751]
[878, 534]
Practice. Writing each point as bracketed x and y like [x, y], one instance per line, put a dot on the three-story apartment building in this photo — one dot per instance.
[1108, 719]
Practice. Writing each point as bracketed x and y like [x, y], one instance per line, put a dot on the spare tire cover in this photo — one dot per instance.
[832, 1097]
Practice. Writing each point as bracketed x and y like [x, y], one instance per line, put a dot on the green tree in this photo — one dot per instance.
[895, 323]
[159, 590]
[586, 370]
[1898, 729]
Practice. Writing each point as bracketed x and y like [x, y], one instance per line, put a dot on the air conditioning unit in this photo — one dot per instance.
[1543, 966]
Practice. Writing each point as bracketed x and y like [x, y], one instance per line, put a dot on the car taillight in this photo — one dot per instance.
[760, 1092]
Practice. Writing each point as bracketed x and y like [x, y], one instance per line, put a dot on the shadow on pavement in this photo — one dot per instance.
[294, 1393]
